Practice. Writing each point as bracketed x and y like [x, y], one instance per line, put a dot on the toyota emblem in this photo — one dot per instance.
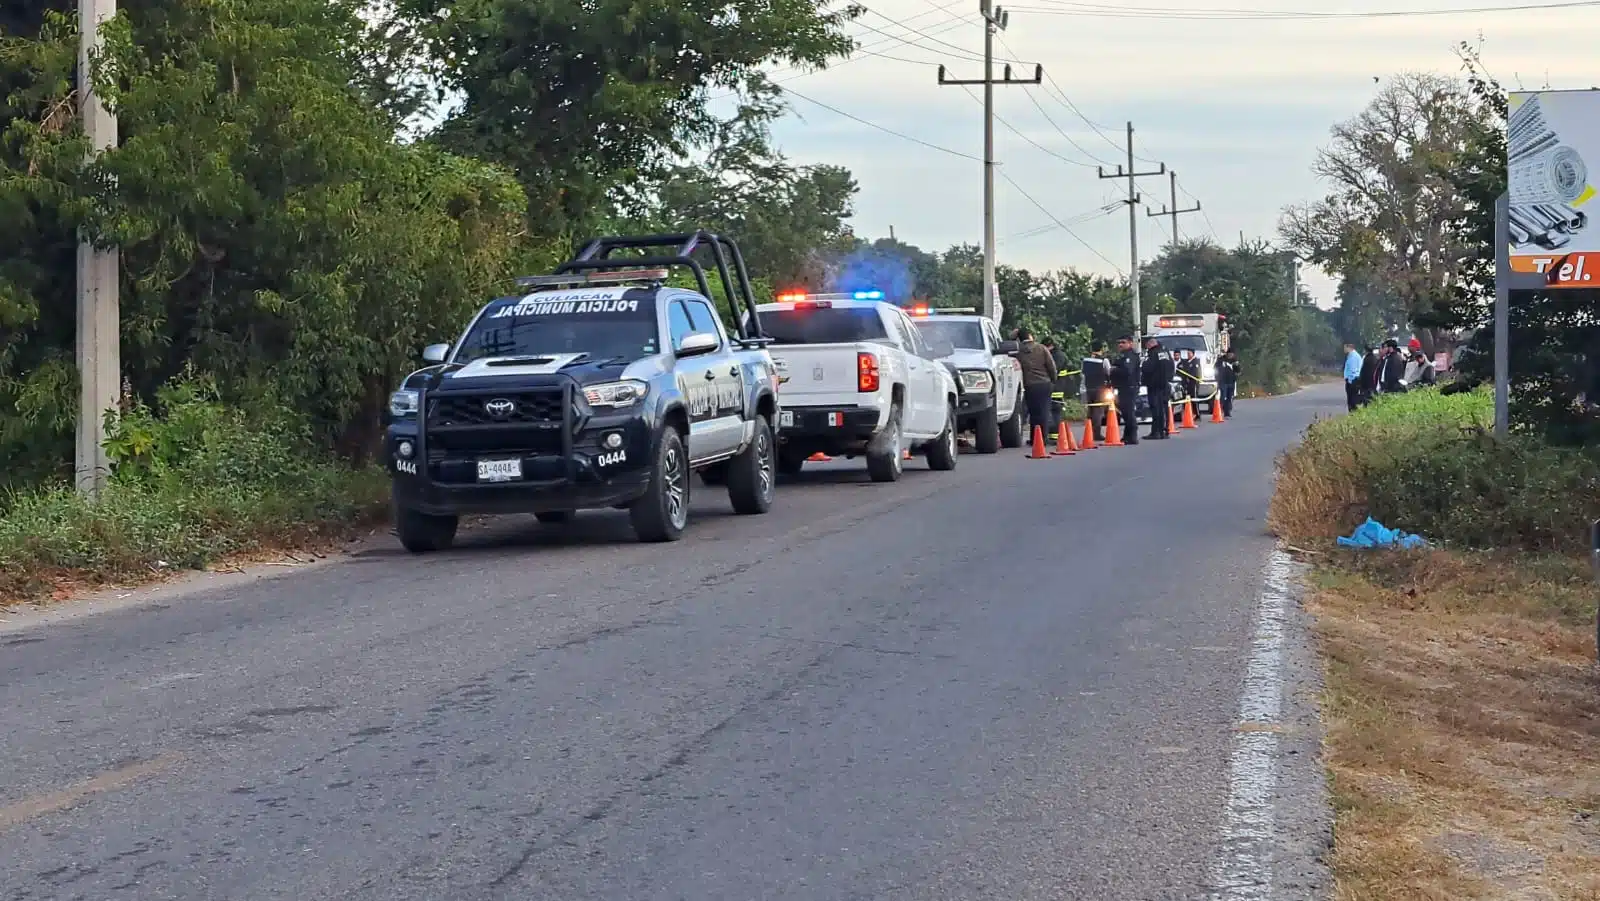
[500, 408]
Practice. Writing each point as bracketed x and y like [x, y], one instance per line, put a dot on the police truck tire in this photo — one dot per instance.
[942, 451]
[555, 517]
[1011, 431]
[663, 512]
[753, 476]
[987, 430]
[884, 455]
[420, 533]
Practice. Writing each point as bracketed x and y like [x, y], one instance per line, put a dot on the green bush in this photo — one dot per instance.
[194, 480]
[1426, 462]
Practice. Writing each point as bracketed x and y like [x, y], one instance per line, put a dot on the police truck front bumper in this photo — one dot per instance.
[579, 459]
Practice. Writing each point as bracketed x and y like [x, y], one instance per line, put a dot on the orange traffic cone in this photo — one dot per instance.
[1171, 426]
[1038, 445]
[1113, 432]
[818, 457]
[1088, 432]
[1188, 414]
[1216, 410]
[1064, 445]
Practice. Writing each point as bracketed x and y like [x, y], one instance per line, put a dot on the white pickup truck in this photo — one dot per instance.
[856, 379]
[991, 404]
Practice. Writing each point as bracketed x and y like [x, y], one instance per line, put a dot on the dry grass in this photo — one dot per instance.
[1463, 739]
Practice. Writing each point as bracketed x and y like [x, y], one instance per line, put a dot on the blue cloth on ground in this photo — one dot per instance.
[1373, 534]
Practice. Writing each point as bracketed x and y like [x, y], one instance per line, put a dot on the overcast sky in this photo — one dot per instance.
[1237, 106]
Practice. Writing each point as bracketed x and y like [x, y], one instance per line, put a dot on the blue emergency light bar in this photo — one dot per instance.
[869, 295]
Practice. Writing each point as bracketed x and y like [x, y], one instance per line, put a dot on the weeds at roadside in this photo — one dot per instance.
[196, 481]
[1463, 714]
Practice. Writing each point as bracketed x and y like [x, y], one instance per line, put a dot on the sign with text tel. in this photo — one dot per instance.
[1549, 137]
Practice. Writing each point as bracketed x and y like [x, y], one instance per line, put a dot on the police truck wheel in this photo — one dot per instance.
[942, 452]
[987, 430]
[663, 512]
[753, 476]
[555, 517]
[884, 456]
[420, 533]
[1011, 431]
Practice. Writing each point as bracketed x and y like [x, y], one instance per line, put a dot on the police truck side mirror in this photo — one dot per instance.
[696, 344]
[1009, 347]
[436, 353]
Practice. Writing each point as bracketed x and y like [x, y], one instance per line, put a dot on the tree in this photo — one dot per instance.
[1394, 214]
[580, 98]
[274, 235]
[789, 220]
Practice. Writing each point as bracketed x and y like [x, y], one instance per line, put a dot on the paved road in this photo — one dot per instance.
[1015, 681]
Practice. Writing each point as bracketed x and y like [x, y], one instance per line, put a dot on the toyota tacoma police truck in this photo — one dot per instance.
[599, 386]
[858, 380]
[990, 378]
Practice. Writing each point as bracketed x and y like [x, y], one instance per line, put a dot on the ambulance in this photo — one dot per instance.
[1204, 333]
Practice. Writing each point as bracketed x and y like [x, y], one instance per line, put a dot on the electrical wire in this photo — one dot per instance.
[1062, 225]
[973, 55]
[1016, 131]
[1098, 10]
[886, 130]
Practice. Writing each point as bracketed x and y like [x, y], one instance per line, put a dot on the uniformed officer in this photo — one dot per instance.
[1125, 378]
[1157, 373]
[1096, 378]
[1058, 397]
[1190, 367]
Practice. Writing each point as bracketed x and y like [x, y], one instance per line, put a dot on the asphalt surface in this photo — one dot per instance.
[1018, 680]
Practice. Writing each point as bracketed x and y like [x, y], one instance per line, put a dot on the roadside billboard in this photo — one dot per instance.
[1549, 137]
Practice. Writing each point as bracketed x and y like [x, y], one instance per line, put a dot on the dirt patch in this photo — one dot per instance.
[1463, 723]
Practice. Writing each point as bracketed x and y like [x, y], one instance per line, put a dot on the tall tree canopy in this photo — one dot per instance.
[1395, 210]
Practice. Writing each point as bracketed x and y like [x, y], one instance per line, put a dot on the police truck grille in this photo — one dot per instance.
[490, 409]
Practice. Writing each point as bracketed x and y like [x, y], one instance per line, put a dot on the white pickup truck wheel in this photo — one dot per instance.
[885, 457]
[1011, 434]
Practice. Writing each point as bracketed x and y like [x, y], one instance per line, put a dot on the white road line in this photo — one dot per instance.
[1243, 868]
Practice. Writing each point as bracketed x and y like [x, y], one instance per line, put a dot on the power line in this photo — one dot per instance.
[969, 54]
[1062, 225]
[884, 129]
[1086, 216]
[1096, 10]
[1014, 130]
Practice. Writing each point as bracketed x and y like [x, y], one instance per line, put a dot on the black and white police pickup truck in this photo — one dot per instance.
[990, 378]
[602, 386]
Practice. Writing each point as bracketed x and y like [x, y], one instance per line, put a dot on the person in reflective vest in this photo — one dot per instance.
[1096, 379]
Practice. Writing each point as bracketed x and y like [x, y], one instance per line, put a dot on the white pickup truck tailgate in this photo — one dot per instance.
[820, 374]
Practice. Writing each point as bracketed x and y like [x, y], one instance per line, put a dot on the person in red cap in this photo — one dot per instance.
[1414, 346]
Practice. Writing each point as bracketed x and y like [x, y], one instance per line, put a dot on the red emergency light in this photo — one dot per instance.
[920, 309]
[792, 297]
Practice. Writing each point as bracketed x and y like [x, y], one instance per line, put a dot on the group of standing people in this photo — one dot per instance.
[1155, 369]
[1385, 369]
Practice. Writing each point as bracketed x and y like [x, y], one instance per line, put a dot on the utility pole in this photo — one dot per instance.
[1173, 211]
[995, 20]
[99, 350]
[1133, 224]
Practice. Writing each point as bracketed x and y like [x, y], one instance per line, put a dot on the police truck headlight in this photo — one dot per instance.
[976, 380]
[615, 394]
[403, 404]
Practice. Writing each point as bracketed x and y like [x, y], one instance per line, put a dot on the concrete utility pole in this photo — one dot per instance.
[1173, 211]
[1133, 224]
[99, 317]
[995, 20]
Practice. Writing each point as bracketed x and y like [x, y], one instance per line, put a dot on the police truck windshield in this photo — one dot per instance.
[961, 334]
[824, 325]
[603, 327]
